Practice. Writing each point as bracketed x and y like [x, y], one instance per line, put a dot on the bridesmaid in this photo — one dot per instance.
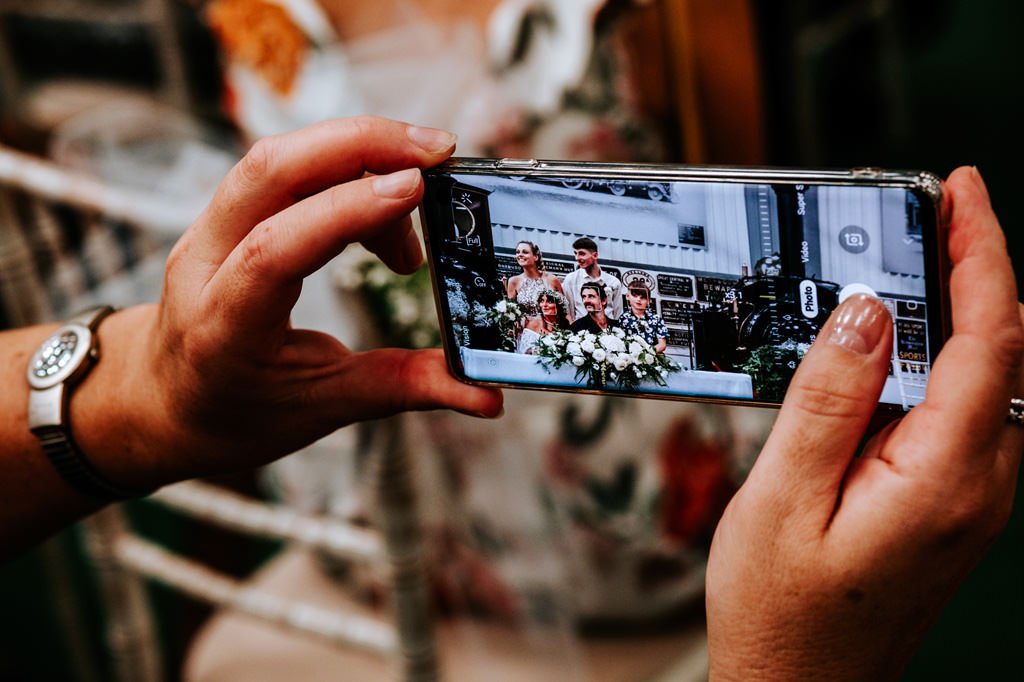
[525, 288]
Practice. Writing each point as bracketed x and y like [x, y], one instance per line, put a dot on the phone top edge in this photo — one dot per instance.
[925, 181]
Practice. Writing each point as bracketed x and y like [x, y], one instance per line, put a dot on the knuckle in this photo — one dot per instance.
[258, 162]
[359, 126]
[337, 201]
[832, 402]
[255, 257]
[365, 124]
[176, 258]
[193, 348]
[1009, 345]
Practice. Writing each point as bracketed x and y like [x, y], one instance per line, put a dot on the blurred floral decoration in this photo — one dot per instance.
[401, 307]
[263, 36]
[641, 504]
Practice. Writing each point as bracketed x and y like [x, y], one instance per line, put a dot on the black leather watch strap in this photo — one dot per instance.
[74, 468]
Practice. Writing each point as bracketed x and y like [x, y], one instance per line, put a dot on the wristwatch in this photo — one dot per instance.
[62, 362]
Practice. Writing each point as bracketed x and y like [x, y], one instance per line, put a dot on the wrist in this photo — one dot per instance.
[117, 413]
[791, 653]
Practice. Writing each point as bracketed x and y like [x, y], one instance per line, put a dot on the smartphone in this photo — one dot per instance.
[695, 283]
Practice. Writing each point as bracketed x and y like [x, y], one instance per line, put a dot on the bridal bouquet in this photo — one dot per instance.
[611, 358]
[508, 316]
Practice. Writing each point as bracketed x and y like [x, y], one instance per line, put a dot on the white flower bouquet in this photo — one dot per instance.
[508, 316]
[611, 358]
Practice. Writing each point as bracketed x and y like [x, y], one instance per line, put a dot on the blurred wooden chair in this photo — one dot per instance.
[404, 647]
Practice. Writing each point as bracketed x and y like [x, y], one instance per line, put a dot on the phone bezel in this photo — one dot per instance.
[927, 186]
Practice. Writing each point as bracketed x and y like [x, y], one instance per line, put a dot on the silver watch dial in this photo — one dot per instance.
[59, 356]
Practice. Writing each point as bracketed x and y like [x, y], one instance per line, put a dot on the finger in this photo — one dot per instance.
[398, 246]
[828, 405]
[256, 286]
[1006, 468]
[1011, 444]
[281, 170]
[382, 382]
[982, 271]
[976, 372]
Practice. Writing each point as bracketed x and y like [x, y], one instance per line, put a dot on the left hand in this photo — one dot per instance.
[830, 566]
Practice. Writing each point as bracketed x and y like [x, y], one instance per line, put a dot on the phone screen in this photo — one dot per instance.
[707, 289]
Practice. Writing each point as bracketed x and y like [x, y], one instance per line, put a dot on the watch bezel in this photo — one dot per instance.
[78, 359]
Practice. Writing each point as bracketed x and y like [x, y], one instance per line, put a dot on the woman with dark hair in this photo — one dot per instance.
[553, 313]
[525, 288]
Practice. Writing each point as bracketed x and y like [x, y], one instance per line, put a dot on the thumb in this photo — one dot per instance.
[828, 405]
[382, 382]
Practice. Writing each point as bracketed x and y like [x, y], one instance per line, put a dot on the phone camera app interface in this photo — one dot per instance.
[707, 289]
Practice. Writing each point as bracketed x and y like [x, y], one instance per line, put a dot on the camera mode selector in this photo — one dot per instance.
[856, 288]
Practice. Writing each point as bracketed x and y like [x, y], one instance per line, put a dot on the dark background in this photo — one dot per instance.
[929, 85]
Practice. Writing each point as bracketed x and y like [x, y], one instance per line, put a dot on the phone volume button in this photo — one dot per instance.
[515, 163]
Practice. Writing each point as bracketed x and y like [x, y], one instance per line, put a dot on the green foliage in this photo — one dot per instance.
[772, 367]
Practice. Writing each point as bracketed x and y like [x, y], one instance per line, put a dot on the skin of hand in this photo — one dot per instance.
[832, 566]
[215, 378]
[238, 385]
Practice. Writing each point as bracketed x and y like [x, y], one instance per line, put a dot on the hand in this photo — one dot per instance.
[215, 378]
[831, 566]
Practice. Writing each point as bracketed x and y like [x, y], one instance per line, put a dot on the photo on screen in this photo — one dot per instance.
[705, 289]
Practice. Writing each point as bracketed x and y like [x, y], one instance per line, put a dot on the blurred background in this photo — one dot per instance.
[118, 117]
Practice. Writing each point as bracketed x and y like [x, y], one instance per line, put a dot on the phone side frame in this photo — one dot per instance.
[925, 183]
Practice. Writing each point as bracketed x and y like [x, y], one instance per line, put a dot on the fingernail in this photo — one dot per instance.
[487, 415]
[484, 415]
[431, 140]
[979, 181]
[397, 185]
[412, 252]
[859, 324]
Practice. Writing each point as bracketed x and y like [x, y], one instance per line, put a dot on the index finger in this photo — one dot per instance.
[281, 170]
[975, 374]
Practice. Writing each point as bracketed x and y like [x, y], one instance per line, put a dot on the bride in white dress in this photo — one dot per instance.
[552, 314]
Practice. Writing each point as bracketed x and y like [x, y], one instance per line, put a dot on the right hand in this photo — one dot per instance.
[215, 378]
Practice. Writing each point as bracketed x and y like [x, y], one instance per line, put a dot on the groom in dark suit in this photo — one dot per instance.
[595, 298]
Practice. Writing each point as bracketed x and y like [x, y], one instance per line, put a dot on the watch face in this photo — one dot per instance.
[59, 356]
